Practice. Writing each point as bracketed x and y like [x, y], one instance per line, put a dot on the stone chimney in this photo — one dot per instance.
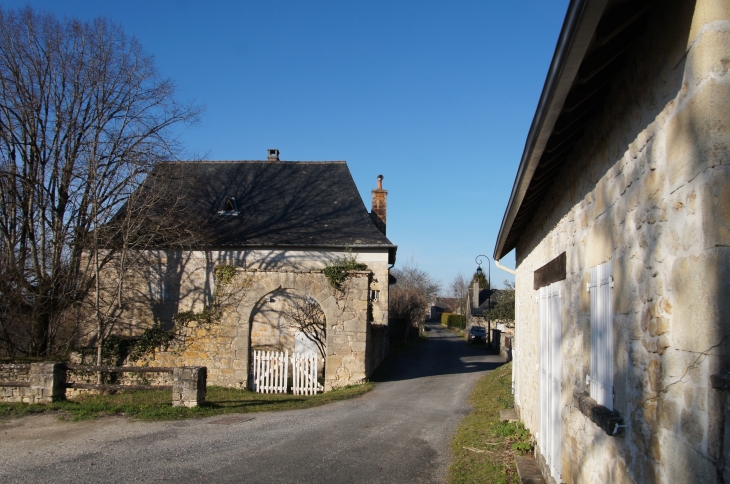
[273, 155]
[475, 298]
[380, 197]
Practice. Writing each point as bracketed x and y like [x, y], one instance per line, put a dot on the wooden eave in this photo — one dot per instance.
[591, 50]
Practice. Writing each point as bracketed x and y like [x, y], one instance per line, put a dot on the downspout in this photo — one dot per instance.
[506, 269]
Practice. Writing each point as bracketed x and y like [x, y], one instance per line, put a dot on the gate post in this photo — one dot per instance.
[188, 386]
[47, 382]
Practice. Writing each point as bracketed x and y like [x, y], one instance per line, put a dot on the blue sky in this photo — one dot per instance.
[436, 96]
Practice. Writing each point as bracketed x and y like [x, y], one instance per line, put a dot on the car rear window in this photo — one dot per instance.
[478, 329]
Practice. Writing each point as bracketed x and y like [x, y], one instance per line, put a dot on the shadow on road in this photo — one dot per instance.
[443, 353]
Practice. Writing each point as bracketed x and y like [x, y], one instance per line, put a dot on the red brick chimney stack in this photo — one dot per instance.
[380, 197]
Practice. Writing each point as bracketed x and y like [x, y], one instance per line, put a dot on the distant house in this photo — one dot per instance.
[441, 305]
[277, 224]
[620, 219]
[479, 299]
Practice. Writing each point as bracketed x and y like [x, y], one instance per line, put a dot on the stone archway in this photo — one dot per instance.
[346, 313]
[288, 320]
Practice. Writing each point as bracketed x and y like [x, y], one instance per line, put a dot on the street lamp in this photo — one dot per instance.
[480, 273]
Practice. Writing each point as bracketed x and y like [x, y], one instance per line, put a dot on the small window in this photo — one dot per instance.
[374, 295]
[231, 207]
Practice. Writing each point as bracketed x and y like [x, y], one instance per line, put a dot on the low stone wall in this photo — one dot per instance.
[17, 372]
[47, 383]
[35, 383]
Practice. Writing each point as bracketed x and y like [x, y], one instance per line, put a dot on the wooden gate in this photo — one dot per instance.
[271, 372]
[304, 374]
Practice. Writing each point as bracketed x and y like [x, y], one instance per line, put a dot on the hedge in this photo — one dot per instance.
[453, 320]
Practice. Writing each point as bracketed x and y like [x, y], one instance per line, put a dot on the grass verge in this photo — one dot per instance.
[157, 405]
[484, 447]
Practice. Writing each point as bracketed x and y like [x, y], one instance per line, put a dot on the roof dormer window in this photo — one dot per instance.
[231, 207]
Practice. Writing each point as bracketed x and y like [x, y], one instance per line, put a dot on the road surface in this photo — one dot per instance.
[399, 432]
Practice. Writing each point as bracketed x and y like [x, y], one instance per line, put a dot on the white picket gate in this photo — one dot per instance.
[304, 374]
[271, 372]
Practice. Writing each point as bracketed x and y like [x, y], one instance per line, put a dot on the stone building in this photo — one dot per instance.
[620, 219]
[276, 225]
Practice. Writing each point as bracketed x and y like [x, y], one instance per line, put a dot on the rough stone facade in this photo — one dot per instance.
[647, 188]
[356, 336]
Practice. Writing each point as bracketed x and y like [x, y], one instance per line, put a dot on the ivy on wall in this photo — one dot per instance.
[116, 349]
[339, 270]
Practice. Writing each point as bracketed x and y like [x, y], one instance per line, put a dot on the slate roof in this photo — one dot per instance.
[279, 204]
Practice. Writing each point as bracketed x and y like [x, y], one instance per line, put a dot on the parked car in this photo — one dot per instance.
[477, 334]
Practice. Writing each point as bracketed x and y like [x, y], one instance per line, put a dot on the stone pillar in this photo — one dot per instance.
[475, 296]
[188, 386]
[47, 382]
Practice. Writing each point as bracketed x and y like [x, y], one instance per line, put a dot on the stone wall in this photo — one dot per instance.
[167, 283]
[224, 347]
[646, 188]
[44, 382]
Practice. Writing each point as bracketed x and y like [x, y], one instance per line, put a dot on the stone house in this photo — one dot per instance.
[441, 305]
[275, 225]
[620, 221]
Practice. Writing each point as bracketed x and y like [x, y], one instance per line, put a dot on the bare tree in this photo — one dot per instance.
[84, 116]
[126, 250]
[410, 297]
[306, 315]
[460, 290]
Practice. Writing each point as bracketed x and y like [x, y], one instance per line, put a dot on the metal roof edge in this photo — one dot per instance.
[580, 23]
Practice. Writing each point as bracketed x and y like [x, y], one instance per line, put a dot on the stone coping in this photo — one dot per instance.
[609, 421]
[296, 271]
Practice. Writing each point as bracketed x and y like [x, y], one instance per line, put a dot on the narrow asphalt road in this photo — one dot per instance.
[399, 432]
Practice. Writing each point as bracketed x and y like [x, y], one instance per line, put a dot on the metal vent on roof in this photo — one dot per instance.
[231, 207]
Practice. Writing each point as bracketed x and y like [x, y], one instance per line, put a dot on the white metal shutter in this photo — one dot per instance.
[551, 337]
[543, 356]
[601, 378]
[556, 339]
[515, 354]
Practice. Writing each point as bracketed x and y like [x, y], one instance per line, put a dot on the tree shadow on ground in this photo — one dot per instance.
[443, 353]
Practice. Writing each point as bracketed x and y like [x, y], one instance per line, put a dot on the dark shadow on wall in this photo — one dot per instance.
[638, 225]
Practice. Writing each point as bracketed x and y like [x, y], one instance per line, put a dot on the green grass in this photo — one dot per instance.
[484, 447]
[157, 405]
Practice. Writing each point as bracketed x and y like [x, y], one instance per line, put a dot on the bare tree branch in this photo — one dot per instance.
[84, 116]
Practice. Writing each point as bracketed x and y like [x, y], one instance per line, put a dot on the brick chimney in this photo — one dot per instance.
[273, 155]
[380, 197]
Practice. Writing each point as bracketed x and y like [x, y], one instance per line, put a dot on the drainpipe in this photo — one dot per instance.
[506, 269]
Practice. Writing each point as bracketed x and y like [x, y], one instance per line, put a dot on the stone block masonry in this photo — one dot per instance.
[188, 386]
[356, 334]
[647, 189]
[38, 383]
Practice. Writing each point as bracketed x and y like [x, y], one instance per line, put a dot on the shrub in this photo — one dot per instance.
[453, 320]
